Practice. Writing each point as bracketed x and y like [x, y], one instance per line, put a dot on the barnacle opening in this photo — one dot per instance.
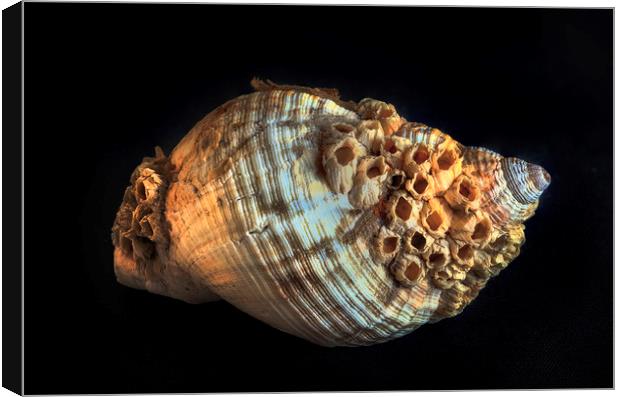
[386, 112]
[443, 275]
[390, 146]
[396, 181]
[421, 155]
[500, 243]
[390, 244]
[420, 183]
[344, 128]
[373, 172]
[465, 253]
[437, 260]
[446, 160]
[434, 220]
[418, 241]
[344, 155]
[466, 190]
[403, 209]
[413, 271]
[482, 230]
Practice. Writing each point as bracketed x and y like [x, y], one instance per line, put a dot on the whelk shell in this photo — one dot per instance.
[338, 222]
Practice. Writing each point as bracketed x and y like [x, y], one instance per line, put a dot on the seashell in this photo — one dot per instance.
[308, 213]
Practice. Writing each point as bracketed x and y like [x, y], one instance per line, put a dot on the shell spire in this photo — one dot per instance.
[526, 181]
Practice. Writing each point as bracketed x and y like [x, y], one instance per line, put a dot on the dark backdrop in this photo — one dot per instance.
[106, 83]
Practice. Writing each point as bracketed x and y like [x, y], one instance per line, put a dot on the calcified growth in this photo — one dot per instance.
[338, 222]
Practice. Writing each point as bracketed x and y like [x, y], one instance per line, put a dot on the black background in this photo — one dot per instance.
[106, 83]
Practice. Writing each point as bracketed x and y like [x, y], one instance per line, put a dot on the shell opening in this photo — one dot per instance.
[418, 241]
[421, 155]
[420, 184]
[465, 253]
[344, 128]
[465, 190]
[413, 271]
[437, 260]
[403, 209]
[446, 160]
[390, 244]
[482, 230]
[434, 220]
[344, 155]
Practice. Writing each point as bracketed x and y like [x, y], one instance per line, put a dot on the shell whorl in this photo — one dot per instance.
[338, 222]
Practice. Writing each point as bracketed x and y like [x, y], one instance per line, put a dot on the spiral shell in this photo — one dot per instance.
[338, 222]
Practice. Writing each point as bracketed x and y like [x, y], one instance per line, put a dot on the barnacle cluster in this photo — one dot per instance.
[139, 226]
[435, 229]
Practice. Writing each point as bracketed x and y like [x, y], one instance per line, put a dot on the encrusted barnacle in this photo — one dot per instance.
[370, 134]
[436, 217]
[396, 179]
[441, 277]
[402, 211]
[417, 240]
[421, 186]
[393, 148]
[462, 253]
[386, 245]
[446, 165]
[474, 228]
[311, 213]
[384, 112]
[368, 182]
[408, 269]
[340, 163]
[438, 256]
[416, 159]
[464, 194]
